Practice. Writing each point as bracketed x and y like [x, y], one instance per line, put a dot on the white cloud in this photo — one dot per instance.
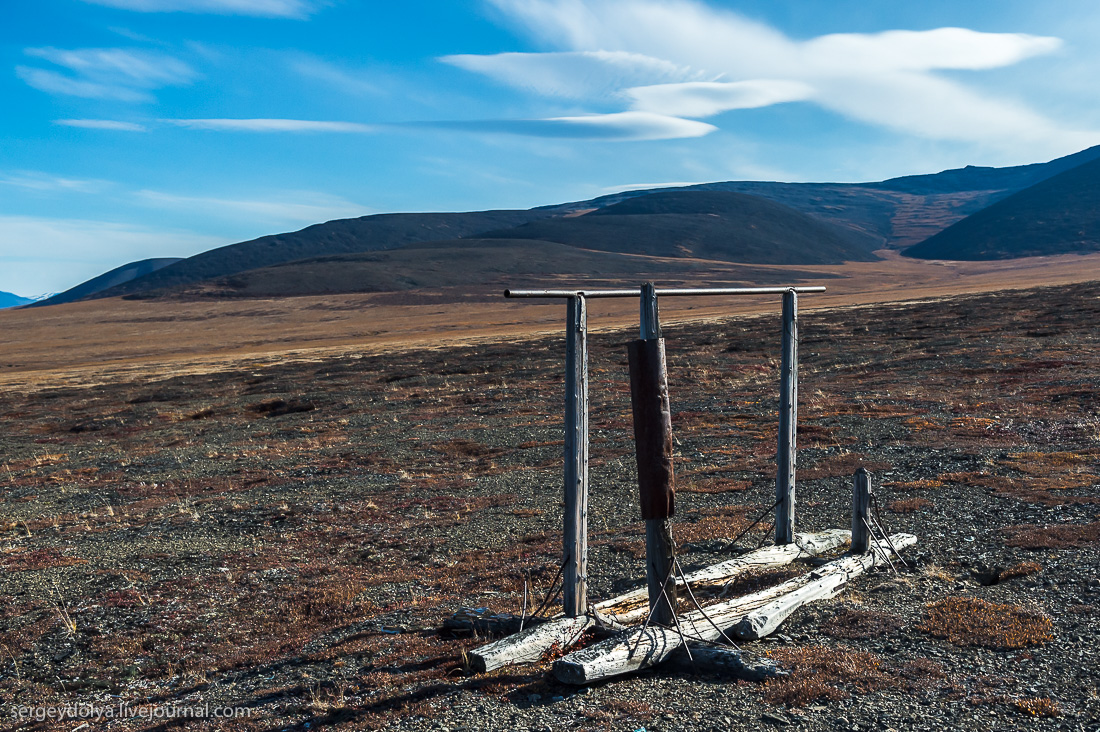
[139, 68]
[260, 8]
[270, 125]
[36, 181]
[52, 82]
[650, 186]
[101, 124]
[884, 79]
[617, 127]
[941, 48]
[575, 75]
[49, 255]
[706, 98]
[105, 73]
[292, 207]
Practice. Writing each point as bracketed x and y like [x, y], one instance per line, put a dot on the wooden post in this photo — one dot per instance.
[861, 511]
[788, 422]
[575, 535]
[653, 448]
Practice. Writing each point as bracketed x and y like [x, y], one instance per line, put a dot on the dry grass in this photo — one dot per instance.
[914, 485]
[1061, 536]
[1038, 707]
[819, 673]
[969, 621]
[908, 505]
[1023, 569]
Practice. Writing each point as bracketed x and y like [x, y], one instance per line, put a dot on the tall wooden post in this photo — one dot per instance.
[788, 422]
[861, 512]
[575, 535]
[653, 448]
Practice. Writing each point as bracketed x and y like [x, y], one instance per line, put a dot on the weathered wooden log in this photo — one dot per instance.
[724, 661]
[824, 582]
[529, 645]
[788, 422]
[647, 647]
[633, 606]
[575, 533]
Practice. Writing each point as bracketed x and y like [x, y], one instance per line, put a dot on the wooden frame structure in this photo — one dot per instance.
[658, 542]
[664, 636]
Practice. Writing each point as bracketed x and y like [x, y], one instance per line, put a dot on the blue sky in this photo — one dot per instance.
[142, 128]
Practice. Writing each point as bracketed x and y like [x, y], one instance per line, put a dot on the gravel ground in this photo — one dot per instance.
[287, 538]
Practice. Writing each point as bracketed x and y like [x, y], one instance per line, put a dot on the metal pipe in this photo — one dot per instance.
[682, 291]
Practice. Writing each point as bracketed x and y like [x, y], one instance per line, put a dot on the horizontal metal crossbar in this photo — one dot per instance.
[682, 291]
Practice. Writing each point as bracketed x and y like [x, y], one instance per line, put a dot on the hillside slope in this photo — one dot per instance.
[368, 233]
[1060, 215]
[117, 276]
[719, 225]
[476, 266]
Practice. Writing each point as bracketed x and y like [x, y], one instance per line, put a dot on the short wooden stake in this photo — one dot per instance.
[788, 422]
[861, 511]
[575, 535]
[653, 448]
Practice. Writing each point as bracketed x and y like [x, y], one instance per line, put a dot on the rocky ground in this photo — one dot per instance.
[287, 538]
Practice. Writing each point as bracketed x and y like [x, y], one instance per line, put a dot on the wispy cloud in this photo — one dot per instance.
[53, 82]
[707, 98]
[261, 8]
[649, 186]
[617, 127]
[270, 125]
[105, 73]
[725, 61]
[585, 75]
[36, 181]
[291, 207]
[102, 124]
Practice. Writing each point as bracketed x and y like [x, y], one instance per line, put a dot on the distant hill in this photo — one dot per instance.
[976, 178]
[898, 212]
[474, 265]
[719, 225]
[749, 222]
[8, 300]
[1060, 215]
[367, 233]
[117, 276]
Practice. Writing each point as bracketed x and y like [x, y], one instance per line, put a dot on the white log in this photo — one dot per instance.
[825, 582]
[530, 645]
[641, 649]
[633, 606]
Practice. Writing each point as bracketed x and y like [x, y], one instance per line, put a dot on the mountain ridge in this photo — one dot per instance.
[1058, 215]
[821, 223]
